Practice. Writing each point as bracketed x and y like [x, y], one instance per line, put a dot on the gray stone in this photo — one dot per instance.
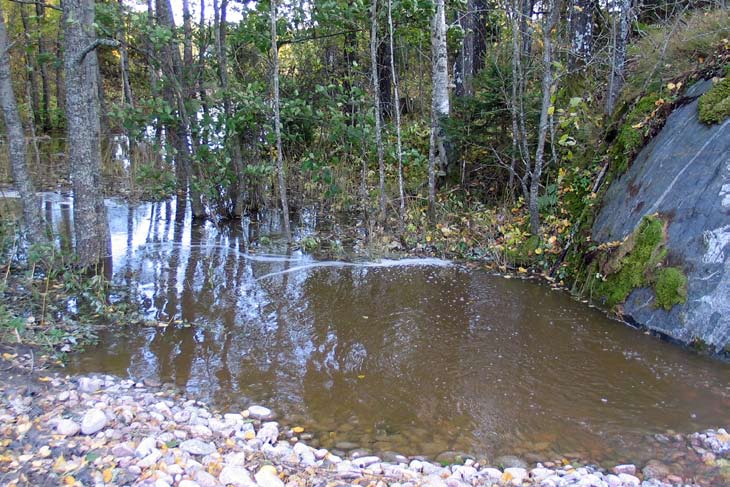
[67, 427]
[150, 459]
[94, 421]
[122, 450]
[683, 174]
[205, 479]
[268, 433]
[655, 469]
[236, 475]
[510, 461]
[629, 480]
[626, 468]
[197, 447]
[365, 461]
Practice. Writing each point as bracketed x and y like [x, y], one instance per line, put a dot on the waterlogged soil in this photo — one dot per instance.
[420, 357]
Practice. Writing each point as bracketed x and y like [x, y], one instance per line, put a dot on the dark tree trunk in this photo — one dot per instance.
[349, 59]
[43, 68]
[16, 143]
[481, 33]
[464, 62]
[580, 19]
[385, 80]
[91, 229]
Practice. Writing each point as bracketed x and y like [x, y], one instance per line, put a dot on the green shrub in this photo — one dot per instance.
[714, 106]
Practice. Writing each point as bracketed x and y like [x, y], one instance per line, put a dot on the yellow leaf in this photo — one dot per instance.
[269, 469]
[521, 270]
[107, 475]
[298, 429]
[249, 435]
[551, 110]
[659, 102]
[538, 251]
[69, 480]
[671, 86]
[506, 477]
[360, 376]
[59, 464]
[9, 356]
[638, 125]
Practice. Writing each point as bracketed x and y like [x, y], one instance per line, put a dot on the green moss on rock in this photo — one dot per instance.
[714, 105]
[631, 265]
[630, 139]
[670, 287]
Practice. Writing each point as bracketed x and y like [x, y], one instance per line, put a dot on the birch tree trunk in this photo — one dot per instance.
[91, 229]
[439, 101]
[396, 107]
[16, 143]
[550, 20]
[375, 77]
[618, 64]
[464, 63]
[281, 176]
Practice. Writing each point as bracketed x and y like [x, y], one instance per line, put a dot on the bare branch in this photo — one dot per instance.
[94, 45]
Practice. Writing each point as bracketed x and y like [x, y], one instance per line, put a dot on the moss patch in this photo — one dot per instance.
[670, 287]
[632, 133]
[636, 263]
[630, 266]
[714, 106]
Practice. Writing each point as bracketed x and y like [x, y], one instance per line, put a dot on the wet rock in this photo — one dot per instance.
[67, 427]
[510, 461]
[625, 468]
[235, 475]
[260, 412]
[655, 470]
[449, 457]
[94, 421]
[197, 447]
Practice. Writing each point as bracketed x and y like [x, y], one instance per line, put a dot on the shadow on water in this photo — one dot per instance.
[415, 356]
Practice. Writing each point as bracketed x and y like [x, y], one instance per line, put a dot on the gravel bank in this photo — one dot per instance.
[101, 430]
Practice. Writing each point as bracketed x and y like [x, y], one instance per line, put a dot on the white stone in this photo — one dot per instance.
[365, 461]
[259, 412]
[517, 474]
[67, 427]
[236, 475]
[94, 421]
[150, 459]
[90, 385]
[145, 447]
[268, 433]
[267, 479]
[591, 480]
[188, 483]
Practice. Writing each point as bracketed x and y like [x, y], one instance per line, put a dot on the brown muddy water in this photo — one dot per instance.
[414, 356]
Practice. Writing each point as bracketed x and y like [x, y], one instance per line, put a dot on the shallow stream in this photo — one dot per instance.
[419, 357]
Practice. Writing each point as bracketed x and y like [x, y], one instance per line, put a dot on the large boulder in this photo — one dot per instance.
[683, 175]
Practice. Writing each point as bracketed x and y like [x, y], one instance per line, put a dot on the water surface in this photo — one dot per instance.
[418, 357]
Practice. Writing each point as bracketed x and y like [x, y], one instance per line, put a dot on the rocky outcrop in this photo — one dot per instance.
[683, 176]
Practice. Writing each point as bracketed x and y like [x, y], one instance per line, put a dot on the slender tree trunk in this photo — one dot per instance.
[375, 78]
[281, 176]
[60, 84]
[30, 66]
[91, 229]
[439, 101]
[618, 64]
[232, 139]
[42, 64]
[127, 98]
[16, 143]
[549, 22]
[396, 107]
[479, 25]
